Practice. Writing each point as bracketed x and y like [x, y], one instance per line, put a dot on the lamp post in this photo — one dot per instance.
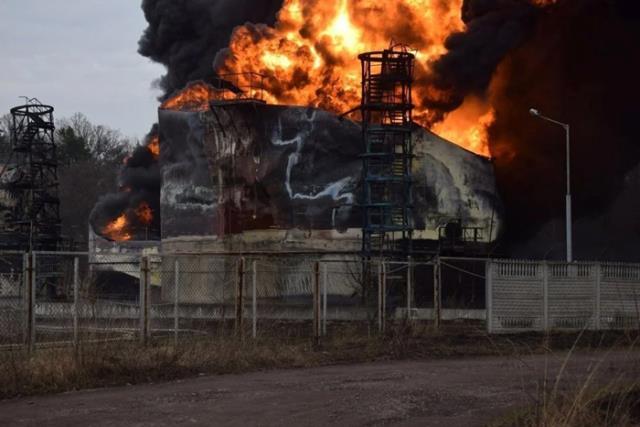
[569, 237]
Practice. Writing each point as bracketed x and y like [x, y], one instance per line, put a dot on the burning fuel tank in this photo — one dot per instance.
[246, 176]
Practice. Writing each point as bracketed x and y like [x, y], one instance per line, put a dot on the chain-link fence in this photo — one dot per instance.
[51, 298]
[462, 283]
[13, 301]
[73, 298]
[79, 297]
[196, 295]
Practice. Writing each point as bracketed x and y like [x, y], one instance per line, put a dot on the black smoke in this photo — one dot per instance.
[186, 35]
[580, 65]
[493, 29]
[139, 182]
[575, 60]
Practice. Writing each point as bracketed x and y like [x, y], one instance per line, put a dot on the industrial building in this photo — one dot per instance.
[242, 177]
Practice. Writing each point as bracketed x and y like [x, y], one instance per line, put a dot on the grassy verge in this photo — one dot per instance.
[609, 405]
[107, 364]
[599, 397]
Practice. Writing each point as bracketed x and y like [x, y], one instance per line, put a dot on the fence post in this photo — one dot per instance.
[254, 300]
[316, 301]
[598, 273]
[409, 280]
[437, 299]
[176, 300]
[144, 299]
[545, 296]
[239, 297]
[26, 293]
[325, 279]
[380, 303]
[33, 300]
[384, 296]
[76, 300]
[488, 295]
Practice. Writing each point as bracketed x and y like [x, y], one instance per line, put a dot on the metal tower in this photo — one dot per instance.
[33, 218]
[386, 107]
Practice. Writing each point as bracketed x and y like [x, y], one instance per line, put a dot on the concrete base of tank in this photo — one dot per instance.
[210, 269]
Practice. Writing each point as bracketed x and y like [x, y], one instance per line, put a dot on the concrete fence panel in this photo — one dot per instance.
[535, 296]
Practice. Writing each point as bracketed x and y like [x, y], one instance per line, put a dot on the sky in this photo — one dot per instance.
[79, 56]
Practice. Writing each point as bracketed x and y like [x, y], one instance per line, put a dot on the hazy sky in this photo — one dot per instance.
[79, 56]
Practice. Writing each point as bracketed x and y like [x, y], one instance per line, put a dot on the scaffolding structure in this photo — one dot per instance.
[32, 219]
[386, 108]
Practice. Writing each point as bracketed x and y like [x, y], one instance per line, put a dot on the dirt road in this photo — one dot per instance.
[459, 392]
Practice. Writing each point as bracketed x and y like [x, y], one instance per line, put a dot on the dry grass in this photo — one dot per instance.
[608, 405]
[106, 364]
[597, 397]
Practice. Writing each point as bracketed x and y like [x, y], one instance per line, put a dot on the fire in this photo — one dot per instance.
[343, 33]
[122, 229]
[468, 126]
[144, 213]
[310, 56]
[154, 146]
[117, 229]
[195, 97]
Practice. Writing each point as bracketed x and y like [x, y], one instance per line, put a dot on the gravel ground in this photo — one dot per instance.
[454, 392]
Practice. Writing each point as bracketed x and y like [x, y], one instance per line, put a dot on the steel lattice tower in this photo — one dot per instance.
[386, 108]
[33, 220]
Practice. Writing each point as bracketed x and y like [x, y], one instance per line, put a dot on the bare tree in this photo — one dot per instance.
[5, 137]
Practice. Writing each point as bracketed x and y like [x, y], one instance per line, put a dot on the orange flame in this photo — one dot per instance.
[194, 97]
[154, 146]
[144, 213]
[468, 126]
[310, 56]
[120, 228]
[117, 229]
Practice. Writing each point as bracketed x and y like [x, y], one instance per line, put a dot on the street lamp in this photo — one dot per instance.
[536, 113]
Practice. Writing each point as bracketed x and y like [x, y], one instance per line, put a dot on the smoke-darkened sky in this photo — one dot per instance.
[79, 56]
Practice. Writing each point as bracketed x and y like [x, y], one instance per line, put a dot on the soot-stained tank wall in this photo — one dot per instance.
[452, 183]
[251, 166]
[187, 197]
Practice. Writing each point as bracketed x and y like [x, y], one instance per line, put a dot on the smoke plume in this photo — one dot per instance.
[139, 183]
[579, 66]
[186, 35]
[574, 60]
[493, 28]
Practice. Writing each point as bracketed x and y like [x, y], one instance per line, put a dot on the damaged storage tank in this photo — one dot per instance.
[239, 176]
[243, 175]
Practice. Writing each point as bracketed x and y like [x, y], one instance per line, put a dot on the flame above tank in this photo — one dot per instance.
[309, 57]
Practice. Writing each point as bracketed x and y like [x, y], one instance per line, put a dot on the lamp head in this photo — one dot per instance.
[534, 112]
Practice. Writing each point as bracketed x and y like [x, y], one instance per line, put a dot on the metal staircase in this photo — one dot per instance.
[386, 126]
